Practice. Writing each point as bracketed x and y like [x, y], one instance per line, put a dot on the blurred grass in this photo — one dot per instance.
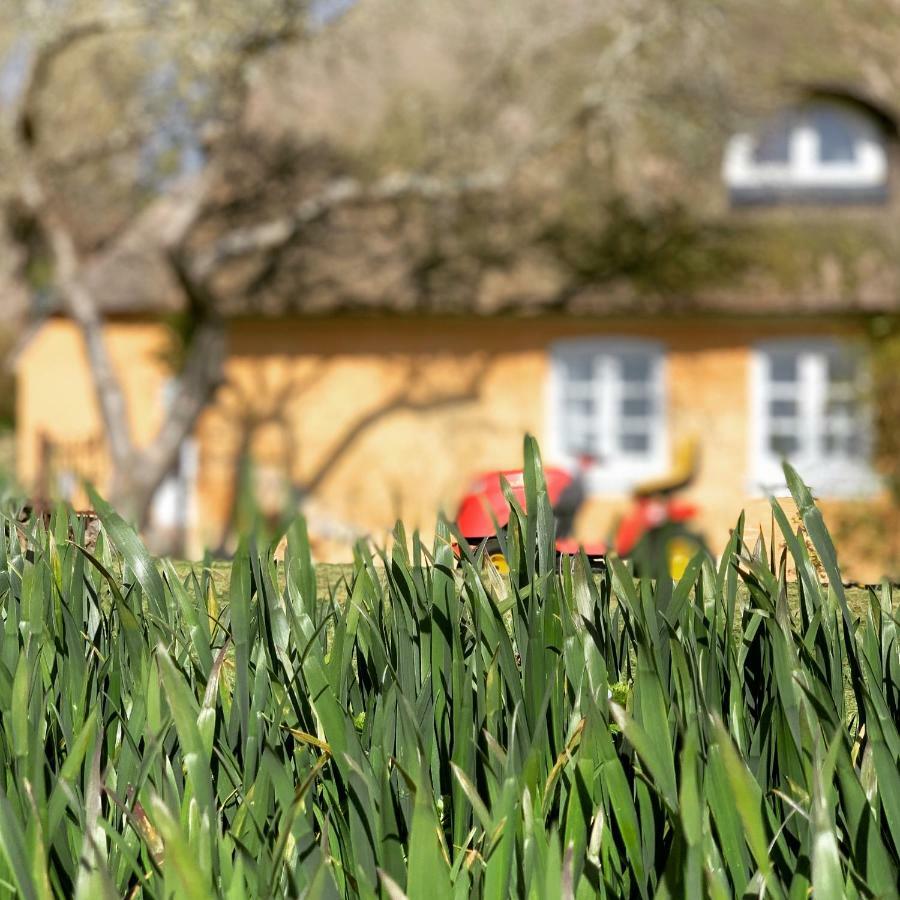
[447, 733]
[334, 580]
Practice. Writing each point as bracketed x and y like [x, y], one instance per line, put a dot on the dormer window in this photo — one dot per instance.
[822, 151]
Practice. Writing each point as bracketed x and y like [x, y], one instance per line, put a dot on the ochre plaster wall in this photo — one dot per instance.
[386, 418]
[55, 395]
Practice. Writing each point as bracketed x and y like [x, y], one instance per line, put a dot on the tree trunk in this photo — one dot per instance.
[134, 485]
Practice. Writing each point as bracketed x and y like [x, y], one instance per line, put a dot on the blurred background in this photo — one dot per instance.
[341, 256]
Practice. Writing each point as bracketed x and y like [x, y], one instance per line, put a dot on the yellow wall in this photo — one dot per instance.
[391, 418]
[55, 396]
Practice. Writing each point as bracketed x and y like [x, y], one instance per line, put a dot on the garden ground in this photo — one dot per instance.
[335, 577]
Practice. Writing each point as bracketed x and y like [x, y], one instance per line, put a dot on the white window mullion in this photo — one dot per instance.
[814, 397]
[658, 404]
[608, 385]
[596, 389]
[761, 390]
[804, 152]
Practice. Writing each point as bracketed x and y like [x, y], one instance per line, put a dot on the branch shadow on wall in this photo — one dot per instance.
[250, 409]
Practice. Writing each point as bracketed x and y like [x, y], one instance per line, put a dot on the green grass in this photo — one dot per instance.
[440, 731]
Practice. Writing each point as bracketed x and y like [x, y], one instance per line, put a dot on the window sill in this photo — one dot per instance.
[844, 485]
[620, 481]
[770, 195]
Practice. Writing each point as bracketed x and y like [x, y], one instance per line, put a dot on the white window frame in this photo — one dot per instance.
[827, 477]
[616, 473]
[803, 170]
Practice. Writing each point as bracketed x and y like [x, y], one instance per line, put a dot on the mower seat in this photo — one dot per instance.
[684, 468]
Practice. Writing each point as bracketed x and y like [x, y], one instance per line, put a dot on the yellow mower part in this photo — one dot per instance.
[500, 563]
[679, 552]
[684, 468]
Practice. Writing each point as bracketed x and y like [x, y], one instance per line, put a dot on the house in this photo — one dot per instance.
[374, 388]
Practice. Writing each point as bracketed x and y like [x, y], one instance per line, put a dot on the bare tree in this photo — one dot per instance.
[469, 102]
[43, 212]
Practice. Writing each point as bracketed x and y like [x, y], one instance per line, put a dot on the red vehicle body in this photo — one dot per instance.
[485, 496]
[656, 515]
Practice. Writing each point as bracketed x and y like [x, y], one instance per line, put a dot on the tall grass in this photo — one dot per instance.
[443, 732]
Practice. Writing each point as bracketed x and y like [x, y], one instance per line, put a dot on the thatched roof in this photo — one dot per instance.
[132, 275]
[639, 226]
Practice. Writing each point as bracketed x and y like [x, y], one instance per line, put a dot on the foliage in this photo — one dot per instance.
[667, 250]
[7, 382]
[444, 732]
[869, 521]
[885, 356]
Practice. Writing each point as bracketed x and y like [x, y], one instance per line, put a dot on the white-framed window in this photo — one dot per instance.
[607, 399]
[823, 150]
[809, 407]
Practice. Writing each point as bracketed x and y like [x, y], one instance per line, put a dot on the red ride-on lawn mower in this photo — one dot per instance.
[656, 527]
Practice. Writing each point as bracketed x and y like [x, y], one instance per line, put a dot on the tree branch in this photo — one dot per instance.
[68, 266]
[197, 383]
[45, 56]
[276, 233]
[114, 144]
[136, 473]
[203, 370]
[83, 309]
[201, 375]
[341, 192]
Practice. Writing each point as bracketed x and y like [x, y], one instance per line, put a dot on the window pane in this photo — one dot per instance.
[844, 427]
[837, 135]
[635, 368]
[774, 143]
[783, 412]
[579, 422]
[784, 444]
[636, 406]
[587, 443]
[783, 408]
[842, 369]
[578, 433]
[635, 442]
[841, 409]
[579, 406]
[580, 368]
[783, 367]
[850, 446]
